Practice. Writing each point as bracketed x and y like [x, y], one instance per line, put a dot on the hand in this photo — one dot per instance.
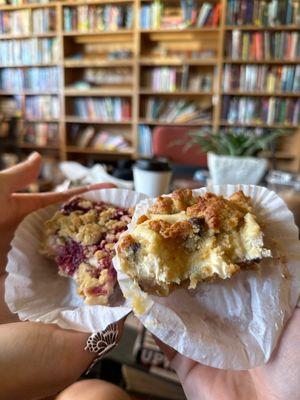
[279, 379]
[36, 360]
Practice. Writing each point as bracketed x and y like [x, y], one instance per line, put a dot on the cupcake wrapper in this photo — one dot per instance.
[35, 291]
[235, 323]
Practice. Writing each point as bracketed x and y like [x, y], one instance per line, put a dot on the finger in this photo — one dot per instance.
[21, 175]
[34, 201]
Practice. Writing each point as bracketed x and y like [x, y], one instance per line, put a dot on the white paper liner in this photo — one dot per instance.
[236, 323]
[35, 291]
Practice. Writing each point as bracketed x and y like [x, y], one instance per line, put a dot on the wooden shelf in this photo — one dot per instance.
[258, 125]
[204, 29]
[30, 65]
[281, 62]
[177, 61]
[37, 146]
[11, 7]
[278, 154]
[144, 91]
[261, 94]
[97, 92]
[145, 48]
[90, 150]
[262, 28]
[28, 36]
[73, 3]
[78, 120]
[99, 33]
[42, 120]
[97, 63]
[164, 123]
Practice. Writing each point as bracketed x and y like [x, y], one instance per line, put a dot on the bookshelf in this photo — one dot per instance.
[92, 77]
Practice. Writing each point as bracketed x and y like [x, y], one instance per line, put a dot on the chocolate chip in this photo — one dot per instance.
[198, 225]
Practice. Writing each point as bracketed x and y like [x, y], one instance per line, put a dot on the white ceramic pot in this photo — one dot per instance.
[235, 170]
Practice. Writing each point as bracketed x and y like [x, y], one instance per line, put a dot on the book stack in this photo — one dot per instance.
[158, 15]
[262, 78]
[151, 373]
[180, 111]
[28, 52]
[43, 20]
[35, 79]
[170, 79]
[104, 76]
[144, 141]
[41, 134]
[42, 107]
[98, 18]
[261, 46]
[261, 12]
[269, 111]
[103, 140]
[105, 109]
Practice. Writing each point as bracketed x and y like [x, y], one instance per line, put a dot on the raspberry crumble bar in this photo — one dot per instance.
[80, 237]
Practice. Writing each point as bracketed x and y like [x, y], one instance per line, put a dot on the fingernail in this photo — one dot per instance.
[33, 155]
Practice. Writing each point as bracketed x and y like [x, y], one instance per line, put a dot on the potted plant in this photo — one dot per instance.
[232, 156]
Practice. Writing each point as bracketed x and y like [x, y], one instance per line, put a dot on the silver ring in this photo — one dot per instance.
[101, 343]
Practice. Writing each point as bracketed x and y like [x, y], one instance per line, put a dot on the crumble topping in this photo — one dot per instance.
[81, 237]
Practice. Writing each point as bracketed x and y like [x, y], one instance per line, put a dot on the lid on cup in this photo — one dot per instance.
[153, 165]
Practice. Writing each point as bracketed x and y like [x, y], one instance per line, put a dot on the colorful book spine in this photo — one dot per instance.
[259, 46]
[263, 13]
[106, 109]
[28, 52]
[144, 141]
[35, 79]
[42, 107]
[269, 111]
[41, 134]
[262, 78]
[87, 18]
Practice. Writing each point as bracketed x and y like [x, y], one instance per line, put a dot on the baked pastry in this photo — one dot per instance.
[81, 237]
[184, 239]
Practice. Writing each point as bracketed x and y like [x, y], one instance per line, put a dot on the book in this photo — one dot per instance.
[262, 13]
[262, 78]
[40, 134]
[144, 144]
[263, 110]
[43, 107]
[204, 13]
[28, 52]
[259, 46]
[85, 18]
[105, 108]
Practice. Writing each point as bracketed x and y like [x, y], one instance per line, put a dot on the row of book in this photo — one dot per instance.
[108, 76]
[261, 12]
[105, 109]
[262, 78]
[179, 111]
[25, 22]
[43, 107]
[262, 45]
[21, 2]
[28, 52]
[41, 134]
[189, 14]
[97, 17]
[144, 141]
[35, 79]
[170, 79]
[99, 139]
[270, 111]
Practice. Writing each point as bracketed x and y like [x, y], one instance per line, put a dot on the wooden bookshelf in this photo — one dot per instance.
[201, 50]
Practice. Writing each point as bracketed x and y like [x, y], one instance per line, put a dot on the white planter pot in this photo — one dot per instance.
[235, 170]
